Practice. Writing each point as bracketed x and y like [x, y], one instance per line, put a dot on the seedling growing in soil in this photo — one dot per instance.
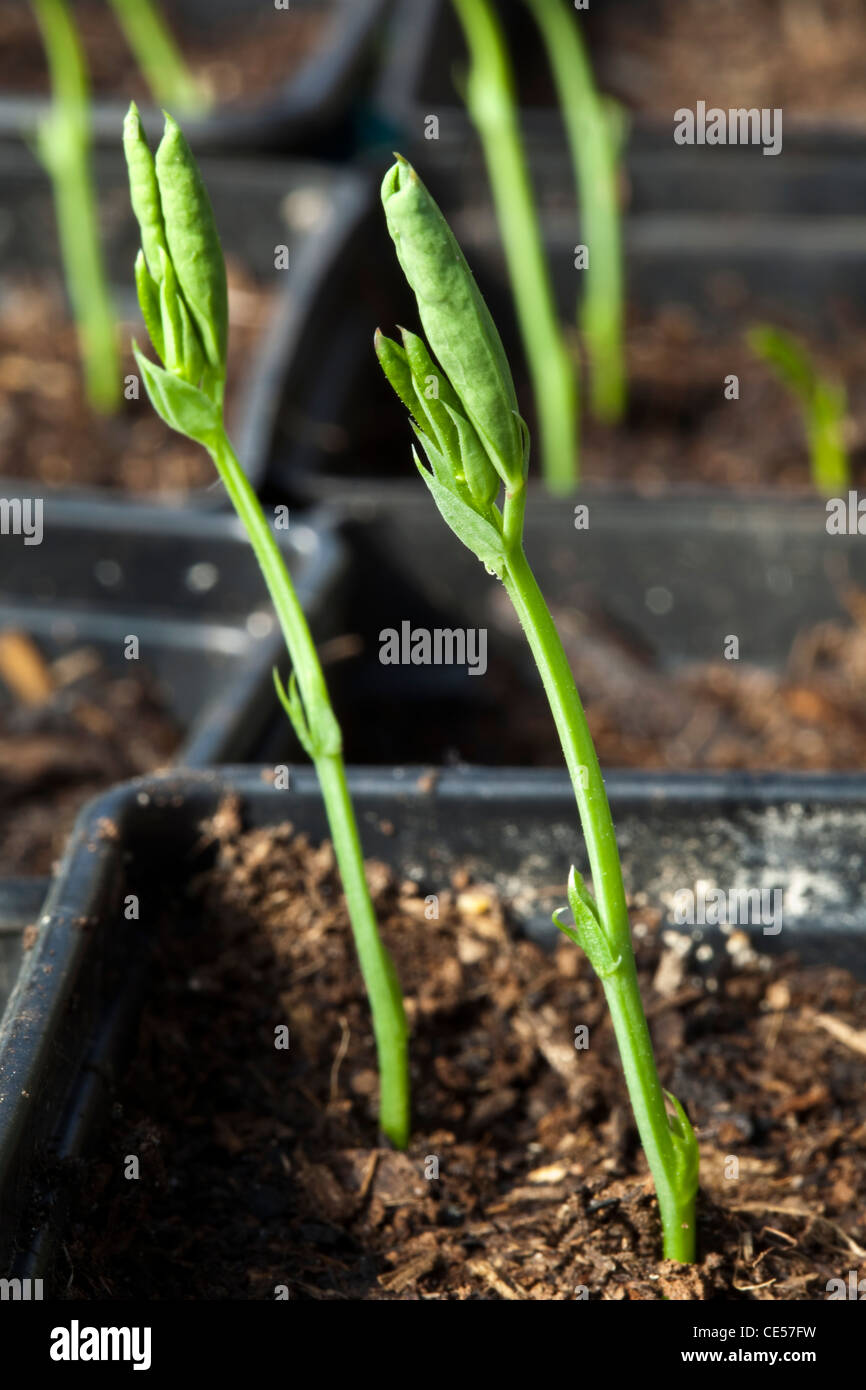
[594, 139]
[475, 442]
[64, 146]
[181, 281]
[823, 404]
[490, 98]
[158, 56]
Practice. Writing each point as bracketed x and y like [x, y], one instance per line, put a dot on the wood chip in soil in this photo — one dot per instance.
[87, 734]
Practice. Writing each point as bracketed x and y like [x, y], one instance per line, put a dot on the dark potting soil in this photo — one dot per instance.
[49, 433]
[808, 57]
[725, 714]
[88, 731]
[680, 429]
[236, 61]
[722, 715]
[260, 1167]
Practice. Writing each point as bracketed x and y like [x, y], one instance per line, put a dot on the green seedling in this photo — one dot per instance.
[64, 147]
[490, 98]
[181, 281]
[823, 404]
[158, 56]
[460, 396]
[594, 137]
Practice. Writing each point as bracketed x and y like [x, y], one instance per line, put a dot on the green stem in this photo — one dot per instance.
[594, 155]
[676, 1195]
[825, 423]
[377, 969]
[158, 56]
[491, 104]
[64, 148]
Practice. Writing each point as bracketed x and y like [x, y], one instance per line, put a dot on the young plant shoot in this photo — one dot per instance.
[594, 141]
[475, 442]
[181, 282]
[490, 98]
[158, 56]
[823, 404]
[64, 147]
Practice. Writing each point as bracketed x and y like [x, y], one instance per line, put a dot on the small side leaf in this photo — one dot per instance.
[148, 300]
[439, 406]
[183, 407]
[480, 475]
[480, 536]
[291, 702]
[443, 468]
[588, 932]
[686, 1151]
[392, 360]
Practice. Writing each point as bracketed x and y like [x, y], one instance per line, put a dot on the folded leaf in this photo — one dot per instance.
[182, 406]
[480, 536]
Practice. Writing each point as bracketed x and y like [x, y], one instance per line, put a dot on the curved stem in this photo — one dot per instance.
[377, 968]
[594, 154]
[159, 57]
[491, 104]
[676, 1192]
[64, 143]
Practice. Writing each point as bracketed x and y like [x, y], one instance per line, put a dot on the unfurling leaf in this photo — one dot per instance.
[480, 536]
[181, 405]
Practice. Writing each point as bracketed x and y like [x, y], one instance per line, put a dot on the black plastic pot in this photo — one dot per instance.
[676, 574]
[304, 113]
[21, 902]
[340, 428]
[669, 581]
[819, 172]
[189, 588]
[66, 1029]
[309, 208]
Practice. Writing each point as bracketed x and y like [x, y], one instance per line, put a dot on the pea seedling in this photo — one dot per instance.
[158, 56]
[475, 442]
[181, 282]
[491, 102]
[594, 129]
[64, 145]
[823, 404]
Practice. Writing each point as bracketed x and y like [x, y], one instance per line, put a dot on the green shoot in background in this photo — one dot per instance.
[158, 56]
[475, 442]
[822, 402]
[181, 282]
[64, 147]
[594, 144]
[490, 98]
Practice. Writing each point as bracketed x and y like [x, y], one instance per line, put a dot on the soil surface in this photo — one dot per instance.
[721, 715]
[679, 429]
[48, 432]
[236, 62]
[80, 731]
[725, 714]
[260, 1167]
[807, 57]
